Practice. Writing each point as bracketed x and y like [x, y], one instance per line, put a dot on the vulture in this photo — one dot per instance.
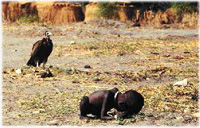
[41, 51]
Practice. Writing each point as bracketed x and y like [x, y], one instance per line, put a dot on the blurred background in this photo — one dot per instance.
[185, 14]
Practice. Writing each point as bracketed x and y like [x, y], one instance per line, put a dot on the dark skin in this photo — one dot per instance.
[98, 104]
[129, 103]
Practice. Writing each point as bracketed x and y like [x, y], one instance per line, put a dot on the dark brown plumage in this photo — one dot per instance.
[41, 51]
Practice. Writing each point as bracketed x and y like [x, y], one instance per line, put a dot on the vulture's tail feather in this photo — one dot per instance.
[31, 62]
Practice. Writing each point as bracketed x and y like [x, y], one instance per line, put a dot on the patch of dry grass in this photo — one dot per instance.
[167, 63]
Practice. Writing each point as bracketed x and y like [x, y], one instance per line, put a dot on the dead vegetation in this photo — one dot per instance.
[29, 99]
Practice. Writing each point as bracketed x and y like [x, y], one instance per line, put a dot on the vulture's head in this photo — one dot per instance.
[48, 34]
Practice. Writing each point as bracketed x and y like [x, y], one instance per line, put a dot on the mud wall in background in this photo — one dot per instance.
[146, 17]
[11, 10]
[60, 13]
[56, 13]
[155, 18]
[126, 13]
[91, 11]
[123, 13]
[167, 17]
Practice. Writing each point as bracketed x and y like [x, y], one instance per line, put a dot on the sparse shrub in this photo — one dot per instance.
[107, 10]
[28, 19]
[185, 7]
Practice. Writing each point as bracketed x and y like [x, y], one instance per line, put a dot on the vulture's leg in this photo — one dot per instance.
[44, 62]
[43, 65]
[37, 64]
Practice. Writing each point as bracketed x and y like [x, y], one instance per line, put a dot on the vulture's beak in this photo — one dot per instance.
[49, 33]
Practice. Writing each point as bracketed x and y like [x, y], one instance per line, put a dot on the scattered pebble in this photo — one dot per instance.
[121, 54]
[35, 70]
[5, 72]
[50, 66]
[183, 82]
[147, 78]
[178, 57]
[179, 118]
[53, 122]
[95, 32]
[167, 55]
[38, 111]
[155, 53]
[72, 42]
[75, 81]
[186, 52]
[46, 74]
[97, 79]
[87, 66]
[195, 97]
[18, 71]
[149, 115]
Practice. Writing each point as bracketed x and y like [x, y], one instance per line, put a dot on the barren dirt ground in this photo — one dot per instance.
[145, 59]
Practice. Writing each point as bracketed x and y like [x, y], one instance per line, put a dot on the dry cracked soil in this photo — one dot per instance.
[146, 59]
